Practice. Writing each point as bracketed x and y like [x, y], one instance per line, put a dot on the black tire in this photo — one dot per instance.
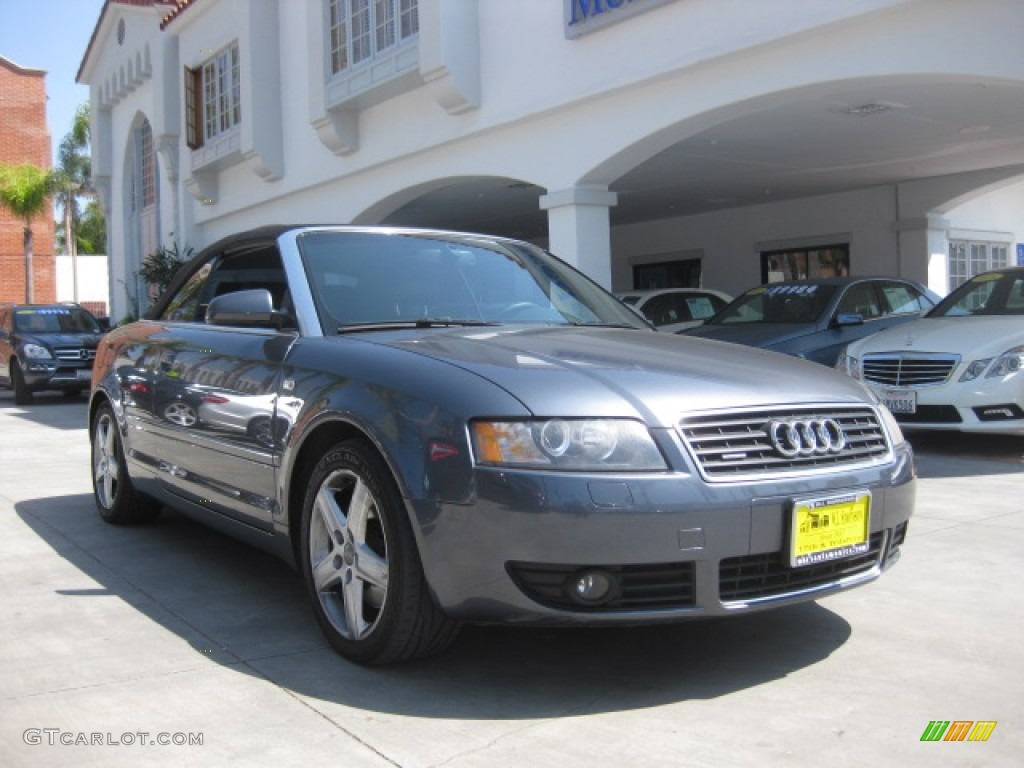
[361, 565]
[22, 394]
[116, 499]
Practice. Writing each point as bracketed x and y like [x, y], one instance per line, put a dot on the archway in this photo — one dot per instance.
[141, 210]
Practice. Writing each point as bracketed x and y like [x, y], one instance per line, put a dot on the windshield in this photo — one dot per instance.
[779, 303]
[55, 320]
[368, 279]
[992, 293]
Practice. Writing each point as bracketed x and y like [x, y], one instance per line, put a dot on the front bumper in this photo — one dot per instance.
[676, 547]
[984, 405]
[41, 375]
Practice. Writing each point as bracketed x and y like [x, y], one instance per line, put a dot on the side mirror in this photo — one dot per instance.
[247, 309]
[849, 318]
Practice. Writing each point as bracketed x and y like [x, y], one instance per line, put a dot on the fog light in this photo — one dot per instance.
[591, 587]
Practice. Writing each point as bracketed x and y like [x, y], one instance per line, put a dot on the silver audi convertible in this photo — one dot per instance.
[438, 428]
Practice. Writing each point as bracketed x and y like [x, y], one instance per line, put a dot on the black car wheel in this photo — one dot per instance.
[22, 394]
[116, 499]
[361, 565]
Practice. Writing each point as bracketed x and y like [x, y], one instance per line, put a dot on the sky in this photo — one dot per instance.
[51, 35]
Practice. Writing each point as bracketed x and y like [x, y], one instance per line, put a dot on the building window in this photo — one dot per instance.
[968, 258]
[360, 30]
[805, 263]
[147, 162]
[213, 97]
[684, 273]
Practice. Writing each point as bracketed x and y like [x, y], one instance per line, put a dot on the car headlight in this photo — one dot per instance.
[1009, 362]
[975, 369]
[569, 444]
[848, 364]
[37, 351]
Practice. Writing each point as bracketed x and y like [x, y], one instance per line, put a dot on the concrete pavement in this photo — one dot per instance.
[178, 633]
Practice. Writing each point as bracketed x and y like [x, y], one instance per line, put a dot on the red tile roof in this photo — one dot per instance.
[180, 6]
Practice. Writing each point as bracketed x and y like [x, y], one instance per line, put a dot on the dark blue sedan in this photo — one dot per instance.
[816, 319]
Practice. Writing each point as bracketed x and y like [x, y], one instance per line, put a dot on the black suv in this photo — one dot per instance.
[47, 347]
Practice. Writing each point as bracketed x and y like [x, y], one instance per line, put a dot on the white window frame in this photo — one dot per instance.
[222, 93]
[968, 258]
[362, 31]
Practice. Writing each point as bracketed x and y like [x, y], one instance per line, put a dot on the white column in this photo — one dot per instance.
[579, 229]
[924, 251]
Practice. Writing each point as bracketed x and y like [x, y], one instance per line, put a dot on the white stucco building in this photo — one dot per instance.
[647, 141]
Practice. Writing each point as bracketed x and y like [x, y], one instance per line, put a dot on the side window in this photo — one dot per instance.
[660, 310]
[703, 307]
[245, 271]
[905, 299]
[184, 307]
[1015, 301]
[225, 274]
[861, 299]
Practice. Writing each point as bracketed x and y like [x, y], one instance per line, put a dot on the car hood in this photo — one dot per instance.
[762, 335]
[569, 372]
[972, 337]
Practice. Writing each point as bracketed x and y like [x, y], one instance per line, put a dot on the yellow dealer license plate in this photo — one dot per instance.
[829, 528]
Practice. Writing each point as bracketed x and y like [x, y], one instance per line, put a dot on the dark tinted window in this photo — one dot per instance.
[861, 299]
[54, 320]
[779, 303]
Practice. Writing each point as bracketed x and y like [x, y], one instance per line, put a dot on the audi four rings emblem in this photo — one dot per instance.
[806, 437]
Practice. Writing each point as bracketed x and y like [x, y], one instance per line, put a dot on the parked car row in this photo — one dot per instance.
[940, 364]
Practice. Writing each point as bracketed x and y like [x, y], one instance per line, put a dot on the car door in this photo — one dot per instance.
[212, 390]
[838, 328]
[881, 304]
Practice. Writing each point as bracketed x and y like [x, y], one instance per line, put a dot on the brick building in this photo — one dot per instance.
[24, 138]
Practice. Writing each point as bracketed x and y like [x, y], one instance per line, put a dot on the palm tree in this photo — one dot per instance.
[25, 191]
[71, 180]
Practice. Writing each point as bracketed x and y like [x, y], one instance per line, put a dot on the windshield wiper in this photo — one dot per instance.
[390, 325]
[599, 324]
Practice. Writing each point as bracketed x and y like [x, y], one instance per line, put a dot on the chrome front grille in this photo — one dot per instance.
[75, 353]
[908, 370]
[738, 445]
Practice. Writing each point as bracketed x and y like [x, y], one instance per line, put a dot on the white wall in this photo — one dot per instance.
[731, 240]
[93, 278]
[998, 212]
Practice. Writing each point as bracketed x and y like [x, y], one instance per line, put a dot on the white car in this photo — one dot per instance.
[958, 368]
[675, 309]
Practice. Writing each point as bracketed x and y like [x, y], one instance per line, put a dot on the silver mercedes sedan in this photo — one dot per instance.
[438, 428]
